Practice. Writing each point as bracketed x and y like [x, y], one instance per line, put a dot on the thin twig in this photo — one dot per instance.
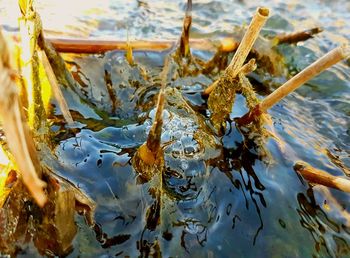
[305, 75]
[298, 36]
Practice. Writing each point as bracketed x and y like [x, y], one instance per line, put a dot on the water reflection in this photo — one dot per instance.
[240, 159]
[328, 234]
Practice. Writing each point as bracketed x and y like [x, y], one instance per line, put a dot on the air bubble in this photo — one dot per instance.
[184, 164]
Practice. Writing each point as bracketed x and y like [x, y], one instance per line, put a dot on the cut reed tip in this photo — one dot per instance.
[263, 11]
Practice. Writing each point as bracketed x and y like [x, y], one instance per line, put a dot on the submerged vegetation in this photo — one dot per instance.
[177, 140]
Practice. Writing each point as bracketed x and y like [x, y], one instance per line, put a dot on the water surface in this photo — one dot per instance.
[232, 206]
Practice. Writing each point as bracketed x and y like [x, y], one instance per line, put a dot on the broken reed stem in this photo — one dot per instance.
[291, 85]
[248, 40]
[154, 138]
[296, 37]
[321, 177]
[149, 158]
[17, 133]
[25, 6]
[56, 88]
[245, 46]
[185, 35]
[129, 53]
[93, 46]
[153, 141]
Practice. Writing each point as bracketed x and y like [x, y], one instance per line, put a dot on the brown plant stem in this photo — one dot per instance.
[93, 46]
[185, 35]
[321, 177]
[298, 36]
[295, 82]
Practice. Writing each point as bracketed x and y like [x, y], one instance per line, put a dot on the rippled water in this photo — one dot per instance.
[229, 204]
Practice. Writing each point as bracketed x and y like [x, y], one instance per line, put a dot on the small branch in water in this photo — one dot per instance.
[305, 75]
[316, 176]
[298, 36]
[245, 46]
[55, 88]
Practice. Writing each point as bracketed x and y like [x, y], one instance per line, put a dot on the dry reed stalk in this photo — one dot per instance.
[93, 46]
[298, 36]
[291, 85]
[321, 177]
[17, 133]
[55, 88]
[245, 46]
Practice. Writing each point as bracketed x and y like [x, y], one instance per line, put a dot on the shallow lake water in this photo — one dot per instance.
[223, 203]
